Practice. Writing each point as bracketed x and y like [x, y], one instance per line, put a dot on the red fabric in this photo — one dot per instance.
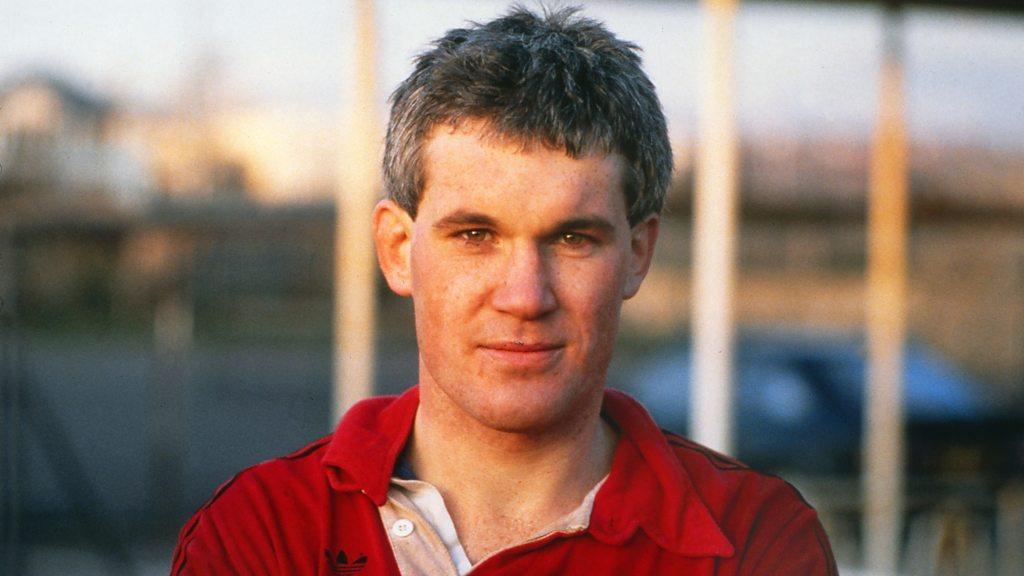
[669, 506]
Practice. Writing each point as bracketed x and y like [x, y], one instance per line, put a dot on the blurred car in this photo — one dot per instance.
[799, 405]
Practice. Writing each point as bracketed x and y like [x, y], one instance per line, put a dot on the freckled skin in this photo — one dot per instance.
[520, 277]
[517, 262]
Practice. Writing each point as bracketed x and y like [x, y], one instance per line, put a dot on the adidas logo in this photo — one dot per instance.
[340, 565]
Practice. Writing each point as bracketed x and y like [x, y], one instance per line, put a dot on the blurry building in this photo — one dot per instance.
[57, 148]
[263, 154]
[64, 148]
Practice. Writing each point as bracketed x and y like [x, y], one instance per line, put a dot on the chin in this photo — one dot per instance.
[515, 419]
[525, 407]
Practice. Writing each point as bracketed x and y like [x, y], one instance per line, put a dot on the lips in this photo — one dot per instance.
[517, 346]
[523, 355]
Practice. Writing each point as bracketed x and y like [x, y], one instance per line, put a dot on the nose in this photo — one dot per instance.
[526, 290]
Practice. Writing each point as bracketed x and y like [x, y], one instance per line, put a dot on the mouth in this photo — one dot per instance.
[523, 355]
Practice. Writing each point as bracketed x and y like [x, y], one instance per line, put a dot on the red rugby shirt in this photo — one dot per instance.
[669, 506]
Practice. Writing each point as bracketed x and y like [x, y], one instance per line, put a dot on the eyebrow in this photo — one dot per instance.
[464, 218]
[594, 223]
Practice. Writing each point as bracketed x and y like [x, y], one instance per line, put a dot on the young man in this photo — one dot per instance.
[525, 167]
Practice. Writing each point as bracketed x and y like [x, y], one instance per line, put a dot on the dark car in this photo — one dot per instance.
[799, 405]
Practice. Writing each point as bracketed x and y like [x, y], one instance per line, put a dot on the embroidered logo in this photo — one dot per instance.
[340, 565]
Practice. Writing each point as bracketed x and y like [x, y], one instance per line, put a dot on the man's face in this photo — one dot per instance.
[518, 262]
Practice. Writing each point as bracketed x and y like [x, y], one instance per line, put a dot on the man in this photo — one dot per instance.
[525, 166]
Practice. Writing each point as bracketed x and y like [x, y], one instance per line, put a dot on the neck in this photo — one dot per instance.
[509, 483]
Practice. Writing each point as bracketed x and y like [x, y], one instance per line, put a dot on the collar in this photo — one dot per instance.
[647, 488]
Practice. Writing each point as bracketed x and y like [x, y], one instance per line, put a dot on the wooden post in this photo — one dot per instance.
[355, 268]
[173, 341]
[886, 315]
[715, 235]
[12, 553]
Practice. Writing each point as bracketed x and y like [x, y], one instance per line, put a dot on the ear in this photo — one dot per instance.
[392, 234]
[643, 237]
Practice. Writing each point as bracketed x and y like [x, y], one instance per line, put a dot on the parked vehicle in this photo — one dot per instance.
[799, 404]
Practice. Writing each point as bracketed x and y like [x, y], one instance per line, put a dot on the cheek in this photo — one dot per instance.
[591, 298]
[444, 289]
[430, 292]
[595, 286]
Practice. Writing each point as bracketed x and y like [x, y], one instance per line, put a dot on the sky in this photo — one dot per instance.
[800, 69]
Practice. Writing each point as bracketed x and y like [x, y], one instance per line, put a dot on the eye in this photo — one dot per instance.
[573, 239]
[475, 236]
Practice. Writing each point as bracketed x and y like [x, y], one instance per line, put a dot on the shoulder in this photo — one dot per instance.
[772, 527]
[240, 525]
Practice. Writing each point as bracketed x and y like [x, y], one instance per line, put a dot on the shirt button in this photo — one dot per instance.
[402, 528]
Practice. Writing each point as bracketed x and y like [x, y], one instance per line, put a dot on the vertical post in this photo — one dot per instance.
[715, 235]
[355, 270]
[886, 314]
[11, 552]
[1010, 529]
[173, 340]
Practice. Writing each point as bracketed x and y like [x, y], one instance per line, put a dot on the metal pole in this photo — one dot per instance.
[715, 235]
[886, 315]
[173, 339]
[11, 553]
[355, 269]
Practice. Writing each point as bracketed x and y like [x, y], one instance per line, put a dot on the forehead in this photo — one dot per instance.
[471, 164]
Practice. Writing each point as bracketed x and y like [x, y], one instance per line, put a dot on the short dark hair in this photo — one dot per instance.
[555, 79]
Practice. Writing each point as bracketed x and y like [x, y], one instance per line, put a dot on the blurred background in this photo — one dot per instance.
[169, 176]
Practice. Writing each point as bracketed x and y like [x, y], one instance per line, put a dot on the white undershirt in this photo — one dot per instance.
[430, 504]
[423, 535]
